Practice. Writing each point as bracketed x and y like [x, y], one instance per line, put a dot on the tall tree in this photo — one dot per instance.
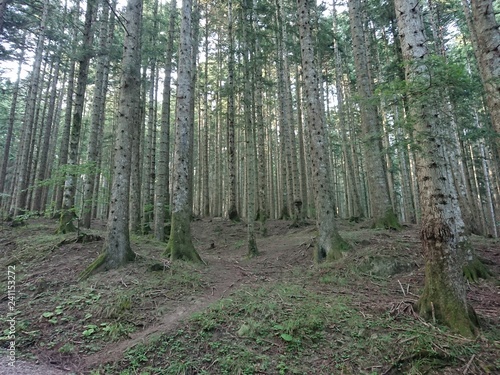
[10, 128]
[68, 208]
[250, 160]
[232, 210]
[98, 117]
[486, 40]
[163, 176]
[117, 250]
[180, 245]
[442, 233]
[380, 201]
[65, 136]
[41, 174]
[329, 243]
[29, 118]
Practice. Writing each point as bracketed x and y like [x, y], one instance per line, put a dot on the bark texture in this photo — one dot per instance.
[232, 211]
[380, 202]
[117, 250]
[163, 180]
[486, 33]
[180, 245]
[329, 242]
[443, 232]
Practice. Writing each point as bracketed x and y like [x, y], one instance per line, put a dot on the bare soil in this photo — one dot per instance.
[71, 326]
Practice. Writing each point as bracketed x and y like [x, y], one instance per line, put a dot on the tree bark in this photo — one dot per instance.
[443, 235]
[180, 245]
[98, 116]
[29, 118]
[117, 250]
[232, 211]
[10, 128]
[68, 213]
[163, 180]
[329, 242]
[381, 208]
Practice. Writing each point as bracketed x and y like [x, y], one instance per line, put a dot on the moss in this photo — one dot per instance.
[253, 251]
[439, 302]
[388, 221]
[66, 223]
[335, 249]
[93, 267]
[107, 261]
[475, 270]
[180, 245]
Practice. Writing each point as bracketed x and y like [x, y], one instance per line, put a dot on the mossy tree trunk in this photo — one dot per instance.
[443, 232]
[180, 245]
[329, 243]
[117, 250]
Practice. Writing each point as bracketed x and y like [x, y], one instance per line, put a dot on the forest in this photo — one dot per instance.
[250, 186]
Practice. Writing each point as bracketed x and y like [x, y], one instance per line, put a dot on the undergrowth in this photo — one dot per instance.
[288, 329]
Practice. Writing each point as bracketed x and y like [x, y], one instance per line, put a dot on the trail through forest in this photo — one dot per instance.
[78, 327]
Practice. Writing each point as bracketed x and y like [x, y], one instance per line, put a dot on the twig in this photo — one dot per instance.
[408, 339]
[466, 369]
[433, 313]
[123, 282]
[402, 289]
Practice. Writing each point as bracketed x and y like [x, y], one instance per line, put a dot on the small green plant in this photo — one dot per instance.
[67, 348]
[115, 330]
[90, 329]
[239, 244]
[52, 316]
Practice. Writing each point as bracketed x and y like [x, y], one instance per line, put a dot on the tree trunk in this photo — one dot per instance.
[38, 204]
[248, 62]
[486, 42]
[68, 213]
[443, 235]
[329, 242]
[10, 128]
[64, 146]
[98, 112]
[117, 250]
[29, 118]
[180, 245]
[232, 211]
[163, 180]
[381, 208]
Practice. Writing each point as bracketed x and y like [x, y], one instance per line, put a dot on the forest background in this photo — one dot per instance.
[147, 115]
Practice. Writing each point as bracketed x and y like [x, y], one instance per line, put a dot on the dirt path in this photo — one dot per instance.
[221, 244]
[174, 318]
[225, 274]
[26, 368]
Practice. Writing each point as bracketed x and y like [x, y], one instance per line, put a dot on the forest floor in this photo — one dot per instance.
[278, 313]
